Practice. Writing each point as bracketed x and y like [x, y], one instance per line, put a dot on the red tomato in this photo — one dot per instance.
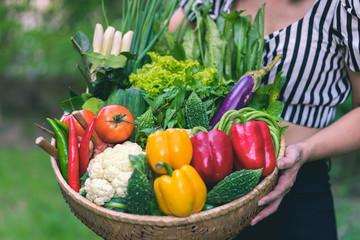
[114, 123]
[88, 115]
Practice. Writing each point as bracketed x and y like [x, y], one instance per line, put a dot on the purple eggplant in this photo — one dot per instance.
[242, 92]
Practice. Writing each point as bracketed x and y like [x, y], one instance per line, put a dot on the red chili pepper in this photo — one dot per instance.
[84, 147]
[73, 162]
[212, 155]
[100, 146]
[253, 146]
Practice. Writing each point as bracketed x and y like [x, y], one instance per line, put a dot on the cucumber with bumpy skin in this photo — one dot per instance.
[195, 112]
[138, 193]
[234, 186]
[146, 120]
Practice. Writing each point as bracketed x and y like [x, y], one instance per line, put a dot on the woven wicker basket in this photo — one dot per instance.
[223, 222]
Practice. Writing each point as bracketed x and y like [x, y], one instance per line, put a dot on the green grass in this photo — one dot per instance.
[31, 204]
[33, 208]
[346, 189]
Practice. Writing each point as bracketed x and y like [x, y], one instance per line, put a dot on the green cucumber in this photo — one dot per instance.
[234, 186]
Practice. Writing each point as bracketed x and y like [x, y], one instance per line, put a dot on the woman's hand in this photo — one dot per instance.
[289, 167]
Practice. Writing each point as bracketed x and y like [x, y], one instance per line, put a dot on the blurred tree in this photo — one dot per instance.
[38, 61]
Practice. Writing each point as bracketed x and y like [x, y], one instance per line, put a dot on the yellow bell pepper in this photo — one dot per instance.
[172, 146]
[180, 193]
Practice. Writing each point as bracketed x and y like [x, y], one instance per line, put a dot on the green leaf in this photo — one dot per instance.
[72, 104]
[115, 61]
[200, 33]
[259, 101]
[156, 103]
[172, 123]
[265, 89]
[86, 96]
[190, 44]
[129, 55]
[179, 98]
[180, 118]
[159, 118]
[214, 46]
[166, 40]
[139, 162]
[275, 108]
[241, 28]
[220, 23]
[83, 41]
[168, 117]
[148, 131]
[229, 49]
[232, 16]
[103, 86]
[178, 52]
[95, 58]
[93, 105]
[85, 176]
[255, 43]
[72, 92]
[282, 130]
[277, 85]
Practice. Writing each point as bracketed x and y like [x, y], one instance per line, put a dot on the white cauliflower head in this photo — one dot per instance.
[109, 172]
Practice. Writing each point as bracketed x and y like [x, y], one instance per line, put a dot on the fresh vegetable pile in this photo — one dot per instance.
[170, 123]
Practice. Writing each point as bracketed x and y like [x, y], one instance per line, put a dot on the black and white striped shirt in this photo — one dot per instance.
[316, 50]
[218, 6]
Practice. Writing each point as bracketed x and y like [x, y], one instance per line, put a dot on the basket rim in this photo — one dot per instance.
[165, 220]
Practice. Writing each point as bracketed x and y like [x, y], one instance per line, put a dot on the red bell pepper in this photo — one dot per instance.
[253, 146]
[270, 155]
[212, 155]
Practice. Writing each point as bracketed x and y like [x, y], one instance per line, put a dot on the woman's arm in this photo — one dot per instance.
[341, 137]
[176, 19]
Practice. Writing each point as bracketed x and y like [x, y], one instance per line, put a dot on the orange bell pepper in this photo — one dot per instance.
[172, 146]
[180, 193]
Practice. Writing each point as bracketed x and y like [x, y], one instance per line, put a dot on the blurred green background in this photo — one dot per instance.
[37, 66]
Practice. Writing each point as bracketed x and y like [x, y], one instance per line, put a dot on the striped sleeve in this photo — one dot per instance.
[218, 6]
[347, 24]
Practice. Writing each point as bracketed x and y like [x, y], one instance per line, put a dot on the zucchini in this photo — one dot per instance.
[132, 99]
[234, 186]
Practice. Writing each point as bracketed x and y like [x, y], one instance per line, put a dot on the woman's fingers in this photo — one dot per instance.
[283, 187]
[273, 199]
[293, 158]
[267, 211]
[289, 167]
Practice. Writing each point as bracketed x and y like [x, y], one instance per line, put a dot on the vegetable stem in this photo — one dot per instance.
[47, 147]
[267, 68]
[104, 13]
[84, 124]
[160, 165]
[45, 130]
[85, 61]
